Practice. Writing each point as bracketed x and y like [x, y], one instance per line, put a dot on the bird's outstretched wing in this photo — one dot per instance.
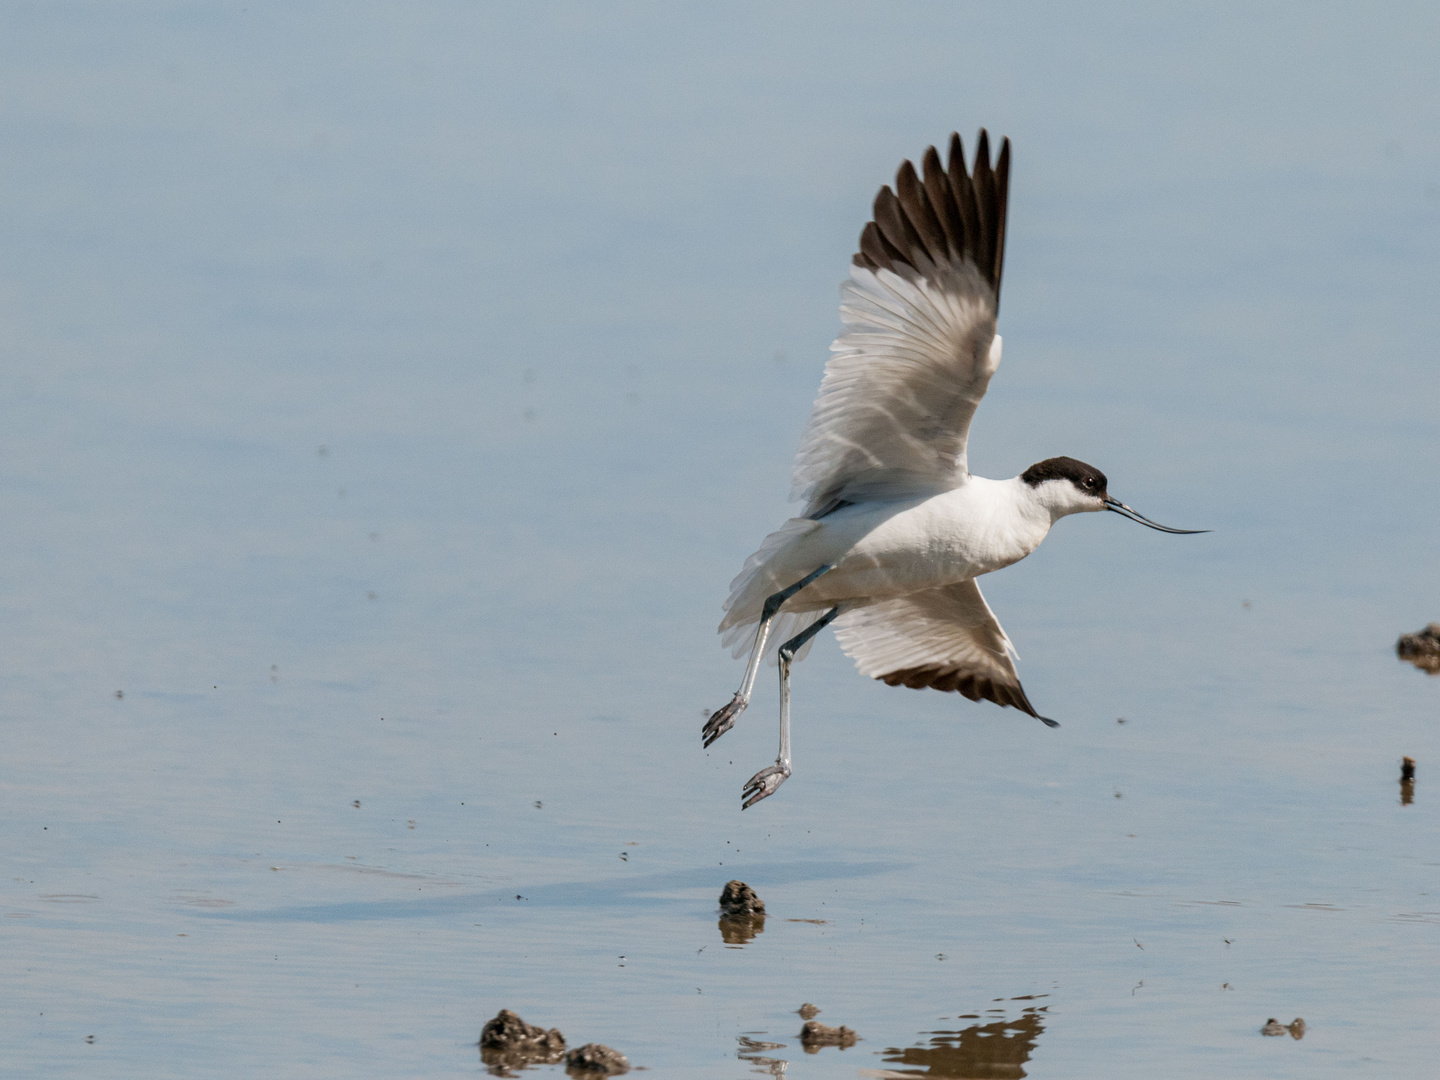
[915, 357]
[948, 639]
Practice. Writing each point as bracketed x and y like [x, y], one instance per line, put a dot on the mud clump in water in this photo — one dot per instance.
[738, 899]
[1407, 781]
[808, 1011]
[508, 1032]
[1295, 1029]
[1421, 648]
[742, 914]
[508, 1042]
[595, 1059]
[814, 1035]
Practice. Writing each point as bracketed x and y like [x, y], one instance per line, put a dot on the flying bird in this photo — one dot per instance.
[895, 529]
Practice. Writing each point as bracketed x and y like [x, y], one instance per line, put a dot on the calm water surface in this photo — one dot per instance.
[388, 398]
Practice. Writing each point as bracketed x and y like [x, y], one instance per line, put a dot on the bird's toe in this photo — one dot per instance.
[763, 784]
[722, 720]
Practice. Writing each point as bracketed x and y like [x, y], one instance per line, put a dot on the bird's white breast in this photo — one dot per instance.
[888, 549]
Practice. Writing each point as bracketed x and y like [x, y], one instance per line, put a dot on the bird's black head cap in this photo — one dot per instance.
[1085, 477]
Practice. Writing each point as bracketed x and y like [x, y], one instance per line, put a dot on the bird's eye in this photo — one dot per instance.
[1089, 481]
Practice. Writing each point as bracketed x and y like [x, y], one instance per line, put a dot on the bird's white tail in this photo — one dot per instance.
[764, 574]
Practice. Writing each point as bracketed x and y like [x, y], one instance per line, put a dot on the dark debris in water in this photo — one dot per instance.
[753, 1046]
[1421, 648]
[742, 914]
[1295, 1029]
[814, 1035]
[508, 1043]
[754, 1051]
[737, 898]
[596, 1059]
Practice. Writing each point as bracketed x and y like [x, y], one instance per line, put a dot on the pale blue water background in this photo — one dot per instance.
[552, 285]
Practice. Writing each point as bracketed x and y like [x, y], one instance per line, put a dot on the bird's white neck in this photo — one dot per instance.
[1056, 498]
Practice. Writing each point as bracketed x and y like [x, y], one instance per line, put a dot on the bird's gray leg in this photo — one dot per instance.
[723, 719]
[765, 782]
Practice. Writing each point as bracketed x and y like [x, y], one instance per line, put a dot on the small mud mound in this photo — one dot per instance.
[508, 1032]
[742, 914]
[508, 1042]
[1295, 1029]
[808, 1011]
[1421, 648]
[814, 1035]
[595, 1059]
[737, 898]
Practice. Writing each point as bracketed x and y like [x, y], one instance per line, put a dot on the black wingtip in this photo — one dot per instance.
[950, 215]
[1047, 721]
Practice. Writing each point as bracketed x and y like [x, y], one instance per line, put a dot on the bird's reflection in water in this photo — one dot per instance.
[996, 1050]
[741, 929]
